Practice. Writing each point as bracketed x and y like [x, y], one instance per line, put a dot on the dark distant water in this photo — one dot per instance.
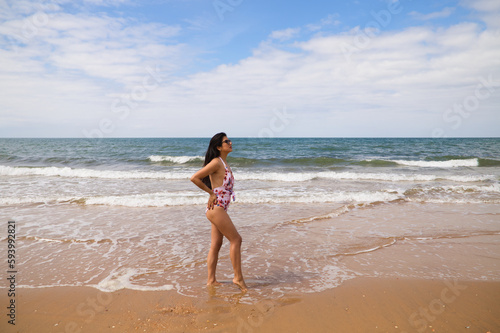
[275, 152]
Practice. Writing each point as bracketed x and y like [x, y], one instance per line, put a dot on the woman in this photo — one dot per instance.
[216, 172]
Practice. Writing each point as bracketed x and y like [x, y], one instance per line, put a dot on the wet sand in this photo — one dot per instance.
[381, 268]
[358, 305]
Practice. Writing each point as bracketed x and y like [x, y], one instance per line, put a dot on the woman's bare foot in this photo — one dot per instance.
[241, 284]
[213, 283]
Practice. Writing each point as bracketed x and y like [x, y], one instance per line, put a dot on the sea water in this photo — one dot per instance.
[122, 213]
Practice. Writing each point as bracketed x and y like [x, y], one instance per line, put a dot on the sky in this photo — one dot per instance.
[192, 68]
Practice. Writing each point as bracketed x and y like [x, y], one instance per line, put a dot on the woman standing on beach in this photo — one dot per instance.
[216, 172]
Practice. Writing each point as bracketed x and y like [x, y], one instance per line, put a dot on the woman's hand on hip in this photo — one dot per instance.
[212, 200]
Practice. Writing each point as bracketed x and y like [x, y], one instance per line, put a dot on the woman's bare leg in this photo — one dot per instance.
[218, 216]
[213, 255]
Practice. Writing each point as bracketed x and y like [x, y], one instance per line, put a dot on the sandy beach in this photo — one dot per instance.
[433, 280]
[359, 305]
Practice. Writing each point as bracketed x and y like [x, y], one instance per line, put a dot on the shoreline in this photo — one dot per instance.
[362, 304]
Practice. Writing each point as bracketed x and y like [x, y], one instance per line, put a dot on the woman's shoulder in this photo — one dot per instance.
[216, 161]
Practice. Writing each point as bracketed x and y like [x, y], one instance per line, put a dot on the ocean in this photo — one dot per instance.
[313, 212]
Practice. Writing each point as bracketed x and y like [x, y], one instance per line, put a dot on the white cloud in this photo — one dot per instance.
[108, 48]
[414, 74]
[488, 11]
[290, 33]
[106, 2]
[483, 5]
[59, 67]
[330, 20]
[445, 12]
[286, 34]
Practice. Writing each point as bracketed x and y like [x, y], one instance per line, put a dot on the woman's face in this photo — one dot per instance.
[227, 145]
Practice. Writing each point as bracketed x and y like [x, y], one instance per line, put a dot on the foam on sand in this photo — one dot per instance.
[121, 279]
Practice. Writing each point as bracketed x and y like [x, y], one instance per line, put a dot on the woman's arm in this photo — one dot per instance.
[197, 179]
[207, 170]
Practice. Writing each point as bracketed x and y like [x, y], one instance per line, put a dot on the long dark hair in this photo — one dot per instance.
[213, 152]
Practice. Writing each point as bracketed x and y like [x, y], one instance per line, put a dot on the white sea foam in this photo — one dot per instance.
[135, 200]
[150, 199]
[42, 239]
[68, 240]
[451, 200]
[161, 199]
[273, 195]
[316, 197]
[89, 173]
[337, 212]
[330, 276]
[306, 176]
[266, 176]
[461, 189]
[174, 159]
[32, 200]
[488, 188]
[473, 162]
[121, 279]
[372, 249]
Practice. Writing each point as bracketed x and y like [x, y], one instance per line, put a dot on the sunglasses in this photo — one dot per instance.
[226, 141]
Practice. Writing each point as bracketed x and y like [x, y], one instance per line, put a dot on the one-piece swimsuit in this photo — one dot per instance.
[225, 192]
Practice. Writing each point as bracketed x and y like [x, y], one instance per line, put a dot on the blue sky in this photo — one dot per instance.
[170, 68]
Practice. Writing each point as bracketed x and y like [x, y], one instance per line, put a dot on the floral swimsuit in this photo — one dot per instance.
[225, 191]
